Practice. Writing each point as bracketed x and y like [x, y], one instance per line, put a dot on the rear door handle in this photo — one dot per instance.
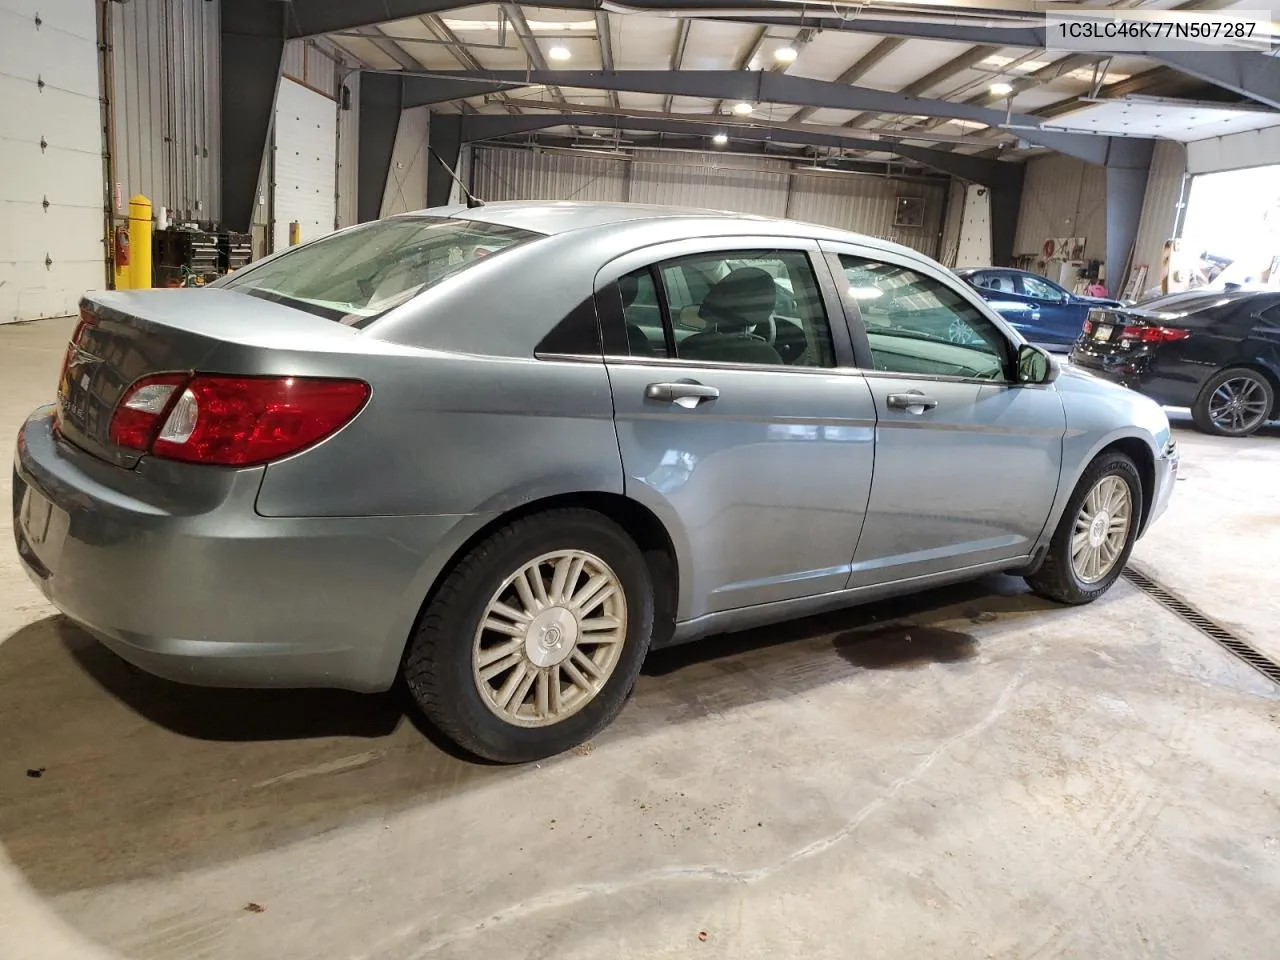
[912, 401]
[685, 393]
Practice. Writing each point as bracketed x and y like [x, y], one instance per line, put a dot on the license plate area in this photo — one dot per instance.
[1102, 332]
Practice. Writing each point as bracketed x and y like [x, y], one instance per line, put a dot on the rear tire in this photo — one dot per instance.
[1234, 403]
[517, 656]
[1069, 573]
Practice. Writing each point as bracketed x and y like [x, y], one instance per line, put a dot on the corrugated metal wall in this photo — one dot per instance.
[743, 184]
[1160, 210]
[952, 220]
[165, 99]
[866, 205]
[1063, 197]
[533, 175]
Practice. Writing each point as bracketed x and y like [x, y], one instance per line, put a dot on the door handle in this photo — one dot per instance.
[686, 393]
[913, 401]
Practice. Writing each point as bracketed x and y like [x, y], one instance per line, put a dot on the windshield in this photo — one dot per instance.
[356, 275]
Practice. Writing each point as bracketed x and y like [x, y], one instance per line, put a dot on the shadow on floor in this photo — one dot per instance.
[142, 777]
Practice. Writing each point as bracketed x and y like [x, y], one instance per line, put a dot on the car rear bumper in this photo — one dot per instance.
[170, 566]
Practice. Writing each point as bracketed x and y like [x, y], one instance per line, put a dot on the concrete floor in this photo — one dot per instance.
[970, 773]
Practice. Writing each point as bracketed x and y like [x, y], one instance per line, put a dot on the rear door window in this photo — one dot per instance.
[749, 306]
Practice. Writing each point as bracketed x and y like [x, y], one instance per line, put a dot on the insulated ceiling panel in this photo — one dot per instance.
[1166, 119]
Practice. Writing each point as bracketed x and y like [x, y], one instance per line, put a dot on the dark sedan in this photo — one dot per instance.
[1045, 313]
[1213, 351]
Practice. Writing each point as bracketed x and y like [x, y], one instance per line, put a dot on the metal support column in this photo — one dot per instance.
[1128, 166]
[252, 49]
[380, 106]
[1006, 203]
[444, 134]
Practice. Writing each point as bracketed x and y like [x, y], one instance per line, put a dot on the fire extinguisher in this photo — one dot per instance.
[122, 247]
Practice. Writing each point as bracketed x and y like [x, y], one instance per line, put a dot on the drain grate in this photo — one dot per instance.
[1225, 638]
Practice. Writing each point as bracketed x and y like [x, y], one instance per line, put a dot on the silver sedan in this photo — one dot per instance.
[506, 451]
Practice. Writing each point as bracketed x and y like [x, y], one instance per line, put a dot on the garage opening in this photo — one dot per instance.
[1228, 242]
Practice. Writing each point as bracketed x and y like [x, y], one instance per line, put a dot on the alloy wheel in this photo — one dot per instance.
[550, 638]
[1238, 405]
[1101, 529]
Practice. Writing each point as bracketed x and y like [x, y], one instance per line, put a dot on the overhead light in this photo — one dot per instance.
[720, 139]
[786, 54]
[559, 52]
[1002, 88]
[742, 108]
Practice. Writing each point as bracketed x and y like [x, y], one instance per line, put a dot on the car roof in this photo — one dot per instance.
[562, 216]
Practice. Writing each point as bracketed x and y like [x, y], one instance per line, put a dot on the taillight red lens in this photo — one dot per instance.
[1088, 327]
[1154, 334]
[242, 421]
[141, 411]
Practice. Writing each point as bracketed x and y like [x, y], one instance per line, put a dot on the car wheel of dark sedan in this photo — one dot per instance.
[535, 639]
[1234, 403]
[1095, 535]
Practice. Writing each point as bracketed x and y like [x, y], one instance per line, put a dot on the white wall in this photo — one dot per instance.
[407, 180]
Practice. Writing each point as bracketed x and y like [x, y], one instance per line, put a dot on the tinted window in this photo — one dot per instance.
[916, 324]
[355, 275]
[734, 307]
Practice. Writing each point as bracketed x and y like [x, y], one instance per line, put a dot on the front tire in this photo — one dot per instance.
[534, 640]
[1234, 403]
[1095, 535]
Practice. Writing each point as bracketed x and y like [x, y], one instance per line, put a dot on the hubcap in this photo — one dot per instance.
[1101, 529]
[550, 638]
[1238, 405]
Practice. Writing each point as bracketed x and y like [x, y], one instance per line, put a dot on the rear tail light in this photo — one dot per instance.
[1088, 327]
[1154, 334]
[232, 421]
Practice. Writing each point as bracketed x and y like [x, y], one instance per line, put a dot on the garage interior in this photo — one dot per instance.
[970, 772]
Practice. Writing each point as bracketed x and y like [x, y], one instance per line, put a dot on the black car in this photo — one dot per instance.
[1042, 311]
[1217, 352]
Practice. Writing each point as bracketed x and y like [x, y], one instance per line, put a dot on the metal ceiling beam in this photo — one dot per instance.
[1251, 75]
[391, 48]
[764, 87]
[775, 125]
[677, 53]
[493, 126]
[604, 36]
[934, 77]
[855, 72]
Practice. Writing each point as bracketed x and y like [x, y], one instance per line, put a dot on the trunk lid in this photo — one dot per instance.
[126, 335]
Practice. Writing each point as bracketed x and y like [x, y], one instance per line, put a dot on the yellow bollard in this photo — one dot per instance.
[140, 243]
[295, 233]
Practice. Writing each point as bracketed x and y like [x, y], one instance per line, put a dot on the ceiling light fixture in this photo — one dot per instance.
[720, 139]
[786, 54]
[1002, 88]
[559, 52]
[742, 108]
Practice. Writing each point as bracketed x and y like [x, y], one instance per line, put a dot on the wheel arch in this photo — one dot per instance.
[1143, 457]
[661, 553]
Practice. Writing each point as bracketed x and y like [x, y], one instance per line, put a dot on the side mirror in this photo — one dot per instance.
[1036, 365]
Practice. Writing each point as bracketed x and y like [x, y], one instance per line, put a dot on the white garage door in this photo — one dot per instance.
[51, 182]
[306, 165]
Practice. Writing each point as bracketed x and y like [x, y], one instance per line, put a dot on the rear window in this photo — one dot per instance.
[354, 276]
